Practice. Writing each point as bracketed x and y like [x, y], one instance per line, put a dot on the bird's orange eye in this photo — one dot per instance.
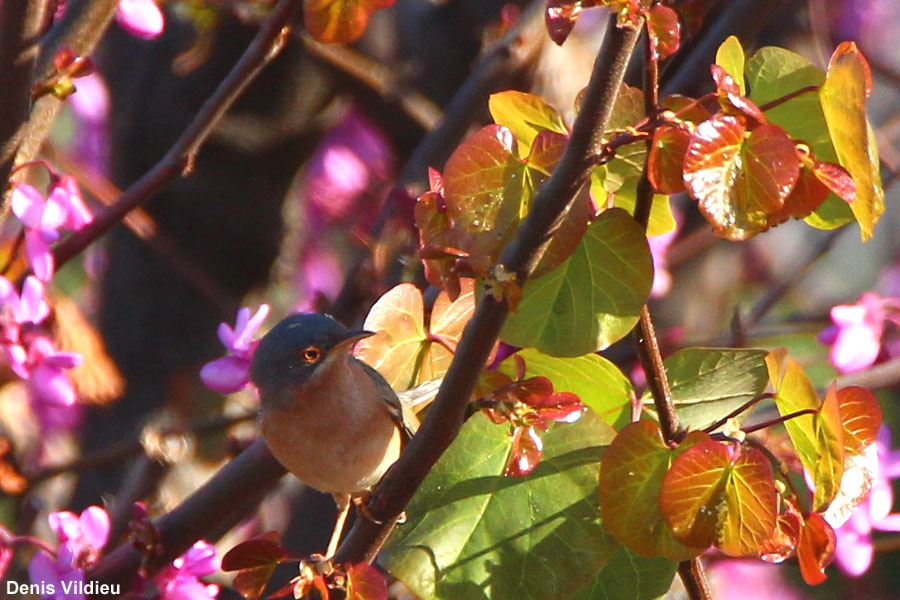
[311, 354]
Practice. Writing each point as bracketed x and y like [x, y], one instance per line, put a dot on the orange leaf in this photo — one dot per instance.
[339, 21]
[815, 550]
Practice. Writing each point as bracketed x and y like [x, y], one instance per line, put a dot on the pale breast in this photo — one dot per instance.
[338, 439]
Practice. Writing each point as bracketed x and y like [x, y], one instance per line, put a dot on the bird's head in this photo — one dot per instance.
[300, 349]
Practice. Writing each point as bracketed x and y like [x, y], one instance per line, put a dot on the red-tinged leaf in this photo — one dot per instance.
[563, 407]
[770, 169]
[732, 101]
[436, 231]
[843, 100]
[435, 181]
[860, 471]
[829, 451]
[364, 582]
[782, 544]
[664, 30]
[321, 586]
[526, 115]
[561, 16]
[259, 551]
[692, 491]
[861, 417]
[837, 179]
[686, 108]
[750, 509]
[525, 452]
[339, 21]
[807, 195]
[251, 583]
[485, 189]
[666, 165]
[631, 476]
[815, 550]
[287, 590]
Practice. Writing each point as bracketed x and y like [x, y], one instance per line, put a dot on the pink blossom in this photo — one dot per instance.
[232, 372]
[854, 538]
[45, 371]
[857, 333]
[42, 218]
[140, 18]
[80, 540]
[749, 579]
[180, 580]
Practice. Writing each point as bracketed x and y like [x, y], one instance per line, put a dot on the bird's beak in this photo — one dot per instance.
[352, 338]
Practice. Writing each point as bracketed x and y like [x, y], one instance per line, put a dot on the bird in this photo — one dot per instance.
[328, 417]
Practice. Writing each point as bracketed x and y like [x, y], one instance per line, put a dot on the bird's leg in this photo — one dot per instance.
[343, 502]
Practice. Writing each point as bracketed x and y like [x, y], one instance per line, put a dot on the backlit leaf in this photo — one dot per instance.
[526, 115]
[730, 56]
[339, 21]
[560, 17]
[524, 453]
[774, 73]
[591, 300]
[750, 508]
[829, 450]
[664, 30]
[843, 97]
[794, 392]
[861, 417]
[709, 383]
[255, 560]
[537, 536]
[770, 168]
[667, 152]
[598, 383]
[815, 550]
[631, 477]
[364, 582]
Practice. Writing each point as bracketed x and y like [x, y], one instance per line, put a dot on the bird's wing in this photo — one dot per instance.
[406, 420]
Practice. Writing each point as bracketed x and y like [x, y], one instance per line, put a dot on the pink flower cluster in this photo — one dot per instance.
[179, 581]
[43, 217]
[231, 373]
[80, 540]
[27, 349]
[857, 337]
[140, 18]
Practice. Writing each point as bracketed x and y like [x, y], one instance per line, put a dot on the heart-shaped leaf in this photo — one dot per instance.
[843, 97]
[664, 31]
[537, 536]
[591, 300]
[631, 476]
[666, 161]
[526, 115]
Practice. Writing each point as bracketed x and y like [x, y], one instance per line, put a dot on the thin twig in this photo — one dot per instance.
[377, 77]
[877, 377]
[798, 413]
[177, 161]
[738, 411]
[446, 414]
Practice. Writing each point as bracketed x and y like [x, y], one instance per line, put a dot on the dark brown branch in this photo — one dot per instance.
[177, 161]
[80, 29]
[221, 502]
[20, 25]
[553, 200]
[694, 578]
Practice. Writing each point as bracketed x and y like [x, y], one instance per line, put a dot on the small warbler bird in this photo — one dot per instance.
[329, 418]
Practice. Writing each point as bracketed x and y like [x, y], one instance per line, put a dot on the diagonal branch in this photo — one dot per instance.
[177, 161]
[553, 200]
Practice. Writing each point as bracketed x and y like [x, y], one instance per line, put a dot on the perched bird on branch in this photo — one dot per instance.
[329, 418]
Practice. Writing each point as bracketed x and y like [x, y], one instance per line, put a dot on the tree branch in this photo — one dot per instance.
[445, 416]
[21, 22]
[177, 161]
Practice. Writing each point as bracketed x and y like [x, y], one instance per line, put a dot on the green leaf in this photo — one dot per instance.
[631, 478]
[591, 300]
[830, 451]
[630, 577]
[794, 392]
[774, 73]
[472, 533]
[597, 382]
[526, 115]
[625, 197]
[730, 56]
[709, 383]
[843, 97]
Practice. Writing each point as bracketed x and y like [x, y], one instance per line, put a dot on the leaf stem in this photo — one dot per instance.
[781, 419]
[787, 97]
[739, 410]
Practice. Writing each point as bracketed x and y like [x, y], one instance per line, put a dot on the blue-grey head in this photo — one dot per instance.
[297, 349]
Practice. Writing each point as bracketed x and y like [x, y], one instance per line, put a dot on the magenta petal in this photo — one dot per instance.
[856, 347]
[65, 525]
[39, 256]
[42, 569]
[201, 559]
[17, 359]
[247, 329]
[183, 587]
[50, 385]
[33, 308]
[56, 211]
[853, 553]
[28, 204]
[64, 360]
[94, 526]
[140, 18]
[226, 375]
